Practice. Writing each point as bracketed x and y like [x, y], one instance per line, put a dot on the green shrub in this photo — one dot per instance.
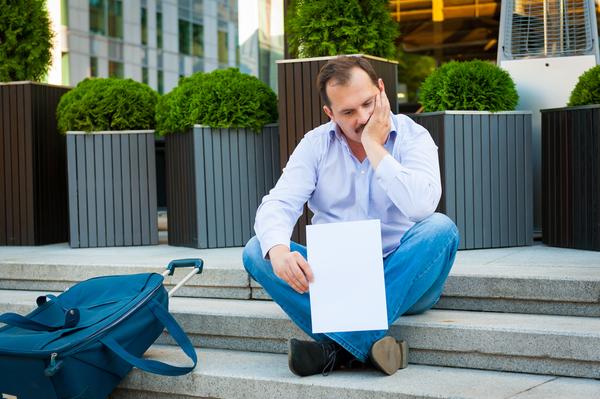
[318, 28]
[25, 40]
[223, 98]
[587, 89]
[471, 85]
[100, 104]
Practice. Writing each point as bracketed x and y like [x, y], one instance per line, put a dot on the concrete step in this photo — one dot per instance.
[540, 344]
[231, 374]
[536, 280]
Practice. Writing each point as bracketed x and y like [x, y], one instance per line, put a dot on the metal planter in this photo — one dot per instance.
[112, 189]
[33, 171]
[486, 170]
[571, 177]
[216, 179]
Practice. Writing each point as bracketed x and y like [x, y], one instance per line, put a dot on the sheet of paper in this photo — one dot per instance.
[348, 291]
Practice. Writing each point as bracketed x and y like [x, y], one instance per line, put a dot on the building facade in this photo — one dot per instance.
[152, 41]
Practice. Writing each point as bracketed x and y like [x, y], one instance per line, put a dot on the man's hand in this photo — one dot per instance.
[291, 267]
[377, 129]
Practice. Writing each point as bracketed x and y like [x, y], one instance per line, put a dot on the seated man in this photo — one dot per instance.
[366, 163]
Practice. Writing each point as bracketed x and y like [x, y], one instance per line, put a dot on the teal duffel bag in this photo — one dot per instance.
[82, 343]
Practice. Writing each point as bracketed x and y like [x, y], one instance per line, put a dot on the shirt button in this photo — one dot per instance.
[362, 172]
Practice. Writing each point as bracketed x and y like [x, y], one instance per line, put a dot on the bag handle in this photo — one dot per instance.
[16, 320]
[155, 366]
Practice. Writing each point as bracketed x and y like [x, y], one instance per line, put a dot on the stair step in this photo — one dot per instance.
[232, 374]
[540, 344]
[536, 280]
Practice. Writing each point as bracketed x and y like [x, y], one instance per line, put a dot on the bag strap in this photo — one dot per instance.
[155, 366]
[16, 320]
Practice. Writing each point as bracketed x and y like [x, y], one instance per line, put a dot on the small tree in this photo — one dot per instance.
[25, 40]
[587, 90]
[332, 27]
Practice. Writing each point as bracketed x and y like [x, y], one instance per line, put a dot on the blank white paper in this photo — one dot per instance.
[348, 291]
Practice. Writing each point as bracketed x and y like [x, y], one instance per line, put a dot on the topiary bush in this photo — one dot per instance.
[223, 98]
[100, 104]
[25, 40]
[470, 85]
[587, 89]
[318, 28]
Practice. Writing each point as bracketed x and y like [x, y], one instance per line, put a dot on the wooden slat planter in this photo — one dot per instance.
[112, 189]
[301, 108]
[486, 170]
[33, 170]
[216, 179]
[571, 177]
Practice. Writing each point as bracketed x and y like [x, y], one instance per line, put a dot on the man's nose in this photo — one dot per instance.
[363, 116]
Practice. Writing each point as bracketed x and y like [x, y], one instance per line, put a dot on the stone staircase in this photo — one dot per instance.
[513, 323]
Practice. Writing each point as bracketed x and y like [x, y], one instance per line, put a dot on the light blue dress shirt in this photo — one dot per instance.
[322, 170]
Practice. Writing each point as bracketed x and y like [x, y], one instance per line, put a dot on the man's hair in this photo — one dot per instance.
[339, 70]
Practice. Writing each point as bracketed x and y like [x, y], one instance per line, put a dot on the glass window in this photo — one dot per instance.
[184, 37]
[65, 68]
[97, 17]
[64, 12]
[115, 69]
[223, 44]
[144, 27]
[115, 18]
[198, 45]
[145, 75]
[160, 82]
[93, 66]
[159, 26]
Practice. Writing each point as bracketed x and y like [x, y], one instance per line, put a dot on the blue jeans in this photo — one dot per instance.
[415, 274]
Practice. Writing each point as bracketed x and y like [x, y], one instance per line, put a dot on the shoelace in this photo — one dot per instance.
[329, 366]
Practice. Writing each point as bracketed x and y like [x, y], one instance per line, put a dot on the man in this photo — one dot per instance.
[364, 164]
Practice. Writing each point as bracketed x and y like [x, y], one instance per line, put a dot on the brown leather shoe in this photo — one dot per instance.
[388, 355]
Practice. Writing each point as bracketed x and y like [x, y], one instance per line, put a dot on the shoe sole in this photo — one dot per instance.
[389, 355]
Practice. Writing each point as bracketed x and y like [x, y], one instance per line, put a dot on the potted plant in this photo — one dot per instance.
[318, 30]
[484, 151]
[111, 162]
[33, 182]
[222, 156]
[570, 164]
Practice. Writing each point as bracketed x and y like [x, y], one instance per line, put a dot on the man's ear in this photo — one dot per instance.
[328, 111]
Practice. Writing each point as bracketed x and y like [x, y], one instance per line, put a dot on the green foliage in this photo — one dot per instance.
[318, 28]
[412, 70]
[100, 104]
[223, 98]
[471, 85]
[25, 40]
[587, 89]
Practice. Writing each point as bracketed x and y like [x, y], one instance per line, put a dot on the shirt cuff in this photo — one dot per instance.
[388, 170]
[269, 241]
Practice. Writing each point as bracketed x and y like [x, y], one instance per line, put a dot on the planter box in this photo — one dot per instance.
[486, 170]
[112, 189]
[301, 108]
[571, 177]
[33, 167]
[215, 181]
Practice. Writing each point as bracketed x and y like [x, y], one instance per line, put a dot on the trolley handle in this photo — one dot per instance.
[196, 263]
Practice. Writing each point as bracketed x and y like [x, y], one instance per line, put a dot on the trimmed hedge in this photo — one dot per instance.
[471, 85]
[25, 40]
[223, 98]
[318, 28]
[587, 89]
[100, 104]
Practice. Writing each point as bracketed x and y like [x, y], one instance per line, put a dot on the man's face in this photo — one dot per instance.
[352, 104]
